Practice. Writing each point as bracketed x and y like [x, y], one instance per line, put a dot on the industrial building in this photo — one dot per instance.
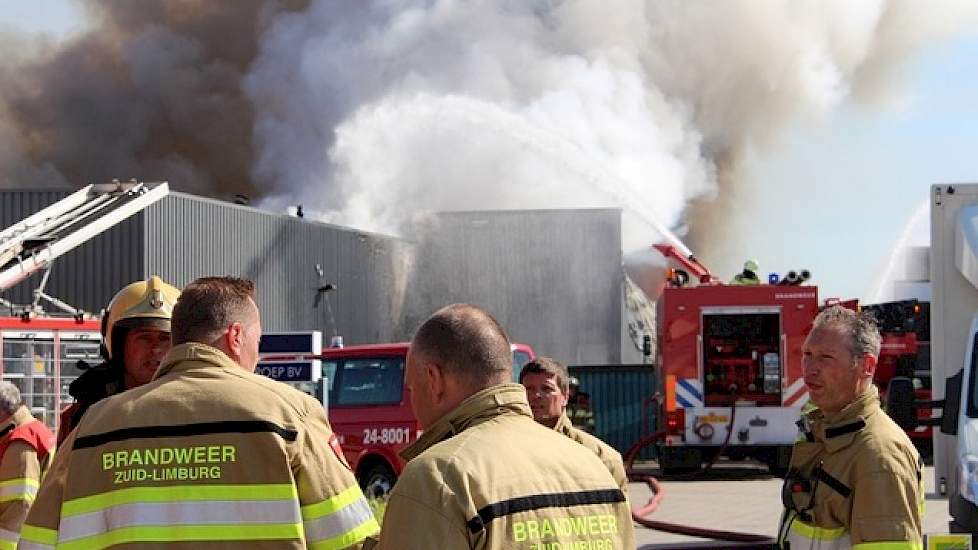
[553, 278]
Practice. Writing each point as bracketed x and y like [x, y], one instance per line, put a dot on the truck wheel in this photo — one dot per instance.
[378, 481]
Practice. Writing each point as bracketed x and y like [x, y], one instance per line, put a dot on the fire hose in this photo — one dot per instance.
[640, 515]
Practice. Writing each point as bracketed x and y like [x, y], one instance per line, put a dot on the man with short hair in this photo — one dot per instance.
[546, 383]
[208, 454]
[135, 338]
[26, 446]
[484, 475]
[855, 478]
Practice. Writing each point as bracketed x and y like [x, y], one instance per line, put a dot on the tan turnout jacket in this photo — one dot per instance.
[854, 482]
[487, 476]
[609, 456]
[204, 456]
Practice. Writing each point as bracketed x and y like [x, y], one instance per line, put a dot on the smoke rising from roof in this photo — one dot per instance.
[400, 107]
[370, 112]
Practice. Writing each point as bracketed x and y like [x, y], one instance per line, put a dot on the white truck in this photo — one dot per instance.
[954, 352]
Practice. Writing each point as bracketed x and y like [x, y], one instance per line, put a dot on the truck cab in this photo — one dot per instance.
[954, 337]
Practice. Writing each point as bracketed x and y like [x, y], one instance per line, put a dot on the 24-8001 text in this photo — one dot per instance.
[386, 436]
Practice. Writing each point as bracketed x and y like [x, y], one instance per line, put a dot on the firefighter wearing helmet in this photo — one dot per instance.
[135, 338]
[748, 276]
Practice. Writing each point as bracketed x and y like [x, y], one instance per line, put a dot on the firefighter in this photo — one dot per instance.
[579, 406]
[207, 454]
[855, 477]
[26, 447]
[484, 475]
[547, 390]
[135, 337]
[748, 276]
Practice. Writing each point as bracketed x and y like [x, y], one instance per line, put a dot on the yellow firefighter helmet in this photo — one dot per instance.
[146, 303]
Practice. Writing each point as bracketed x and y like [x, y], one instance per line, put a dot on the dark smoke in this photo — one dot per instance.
[152, 91]
[370, 111]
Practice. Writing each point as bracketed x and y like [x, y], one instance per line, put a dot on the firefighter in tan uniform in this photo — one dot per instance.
[547, 390]
[207, 455]
[135, 338]
[484, 475]
[855, 477]
[26, 447]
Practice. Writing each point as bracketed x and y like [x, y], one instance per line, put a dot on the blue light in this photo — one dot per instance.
[773, 278]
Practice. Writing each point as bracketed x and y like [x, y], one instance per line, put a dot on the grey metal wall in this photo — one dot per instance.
[88, 276]
[190, 237]
[552, 277]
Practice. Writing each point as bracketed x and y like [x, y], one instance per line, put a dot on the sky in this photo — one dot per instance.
[54, 17]
[852, 182]
[832, 195]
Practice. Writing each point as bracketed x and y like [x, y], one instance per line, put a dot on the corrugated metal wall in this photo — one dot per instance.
[621, 402]
[88, 276]
[552, 277]
[190, 237]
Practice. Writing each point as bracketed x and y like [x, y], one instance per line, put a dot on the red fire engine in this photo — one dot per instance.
[905, 351]
[40, 356]
[729, 360]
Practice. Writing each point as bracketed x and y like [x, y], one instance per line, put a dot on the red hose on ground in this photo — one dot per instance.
[639, 514]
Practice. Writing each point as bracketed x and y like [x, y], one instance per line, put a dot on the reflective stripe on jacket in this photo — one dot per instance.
[610, 457]
[206, 452]
[806, 536]
[25, 452]
[486, 476]
[854, 482]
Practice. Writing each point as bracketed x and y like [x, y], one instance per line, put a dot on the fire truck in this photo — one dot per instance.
[905, 352]
[729, 360]
[42, 353]
[42, 356]
[369, 405]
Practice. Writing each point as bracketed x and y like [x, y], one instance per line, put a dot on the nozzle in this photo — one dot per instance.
[790, 279]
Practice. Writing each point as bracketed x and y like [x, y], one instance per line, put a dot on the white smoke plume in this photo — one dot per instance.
[370, 112]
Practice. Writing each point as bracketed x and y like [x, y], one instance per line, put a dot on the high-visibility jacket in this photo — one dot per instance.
[745, 278]
[487, 476]
[26, 446]
[205, 455]
[854, 482]
[610, 457]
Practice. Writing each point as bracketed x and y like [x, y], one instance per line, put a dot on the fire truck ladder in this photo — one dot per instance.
[32, 244]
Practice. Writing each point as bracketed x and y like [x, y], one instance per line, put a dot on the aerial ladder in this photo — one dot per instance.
[31, 245]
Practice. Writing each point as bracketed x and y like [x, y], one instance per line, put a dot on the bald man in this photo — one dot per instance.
[485, 475]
